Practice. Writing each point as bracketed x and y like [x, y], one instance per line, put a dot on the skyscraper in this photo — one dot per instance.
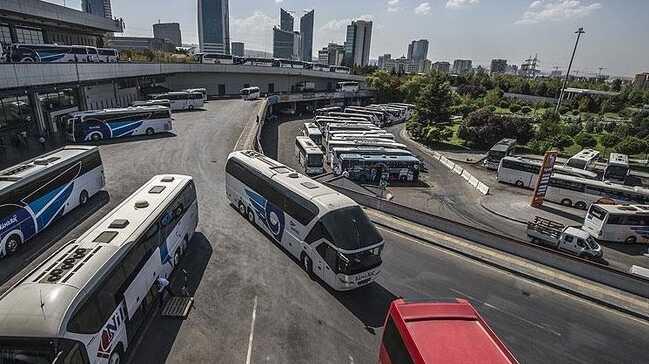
[357, 45]
[238, 49]
[498, 66]
[214, 26]
[418, 50]
[287, 43]
[306, 34]
[462, 66]
[283, 43]
[286, 20]
[168, 31]
[97, 7]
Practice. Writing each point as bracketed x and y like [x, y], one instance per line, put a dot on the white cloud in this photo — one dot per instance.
[279, 1]
[393, 6]
[393, 2]
[423, 9]
[338, 24]
[543, 10]
[459, 4]
[248, 30]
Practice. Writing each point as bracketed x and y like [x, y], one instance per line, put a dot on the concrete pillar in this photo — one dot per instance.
[37, 108]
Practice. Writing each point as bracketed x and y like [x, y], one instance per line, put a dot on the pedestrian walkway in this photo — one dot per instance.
[11, 154]
[520, 211]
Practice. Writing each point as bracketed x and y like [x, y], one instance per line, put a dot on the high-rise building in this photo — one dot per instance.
[286, 21]
[97, 7]
[323, 56]
[214, 26]
[168, 31]
[238, 49]
[498, 66]
[283, 43]
[357, 45]
[461, 66]
[336, 54]
[418, 50]
[382, 59]
[641, 81]
[306, 32]
[444, 67]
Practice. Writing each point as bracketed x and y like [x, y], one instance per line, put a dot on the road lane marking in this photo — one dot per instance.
[252, 331]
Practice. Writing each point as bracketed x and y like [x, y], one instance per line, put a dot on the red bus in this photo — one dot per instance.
[439, 332]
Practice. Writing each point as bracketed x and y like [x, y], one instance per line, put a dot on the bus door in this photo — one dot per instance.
[325, 261]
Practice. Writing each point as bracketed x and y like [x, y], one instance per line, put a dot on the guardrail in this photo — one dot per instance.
[459, 170]
[556, 259]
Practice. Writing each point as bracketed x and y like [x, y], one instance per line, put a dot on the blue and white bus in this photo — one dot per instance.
[214, 58]
[35, 193]
[52, 53]
[96, 125]
[89, 300]
[328, 232]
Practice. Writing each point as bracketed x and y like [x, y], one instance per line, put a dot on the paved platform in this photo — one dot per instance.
[520, 211]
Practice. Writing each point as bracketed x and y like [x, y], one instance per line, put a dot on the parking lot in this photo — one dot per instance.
[255, 304]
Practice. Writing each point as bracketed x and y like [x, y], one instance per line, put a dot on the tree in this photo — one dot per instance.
[617, 85]
[631, 145]
[493, 97]
[550, 125]
[434, 101]
[435, 133]
[561, 141]
[609, 140]
[514, 108]
[483, 128]
[387, 86]
[585, 140]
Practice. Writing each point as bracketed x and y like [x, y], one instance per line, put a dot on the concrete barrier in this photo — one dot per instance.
[436, 155]
[473, 181]
[466, 175]
[482, 188]
[458, 169]
[580, 267]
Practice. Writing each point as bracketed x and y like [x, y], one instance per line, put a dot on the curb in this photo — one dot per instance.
[492, 211]
[534, 278]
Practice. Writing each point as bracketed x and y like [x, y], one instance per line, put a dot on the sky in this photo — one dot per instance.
[615, 39]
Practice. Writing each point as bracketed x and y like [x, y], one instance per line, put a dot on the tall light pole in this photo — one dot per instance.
[579, 32]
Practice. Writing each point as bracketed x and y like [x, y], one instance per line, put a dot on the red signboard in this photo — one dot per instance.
[544, 178]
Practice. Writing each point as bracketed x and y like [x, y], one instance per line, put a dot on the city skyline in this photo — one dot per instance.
[463, 29]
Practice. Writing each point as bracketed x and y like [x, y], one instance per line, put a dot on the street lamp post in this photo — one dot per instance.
[579, 32]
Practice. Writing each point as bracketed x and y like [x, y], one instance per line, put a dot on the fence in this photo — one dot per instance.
[468, 177]
[535, 253]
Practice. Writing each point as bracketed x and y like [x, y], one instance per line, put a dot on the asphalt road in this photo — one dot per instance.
[255, 305]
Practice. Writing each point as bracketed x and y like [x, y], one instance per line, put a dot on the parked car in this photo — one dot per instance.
[565, 238]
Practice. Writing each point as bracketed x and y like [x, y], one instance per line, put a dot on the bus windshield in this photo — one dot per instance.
[32, 351]
[314, 160]
[351, 229]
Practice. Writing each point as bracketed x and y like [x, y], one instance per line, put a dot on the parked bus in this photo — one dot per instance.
[525, 172]
[584, 159]
[331, 127]
[348, 86]
[339, 69]
[322, 121]
[618, 224]
[581, 193]
[309, 155]
[52, 53]
[96, 292]
[312, 131]
[617, 168]
[250, 93]
[260, 62]
[96, 125]
[321, 67]
[449, 332]
[395, 114]
[380, 117]
[336, 152]
[370, 118]
[183, 100]
[35, 193]
[161, 102]
[287, 63]
[357, 134]
[347, 142]
[502, 149]
[326, 231]
[371, 168]
[108, 55]
[202, 91]
[327, 110]
[213, 58]
[4, 53]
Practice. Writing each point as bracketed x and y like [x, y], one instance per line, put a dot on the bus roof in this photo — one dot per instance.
[35, 167]
[504, 145]
[360, 149]
[561, 169]
[586, 154]
[618, 159]
[141, 108]
[366, 141]
[379, 158]
[39, 304]
[597, 183]
[625, 209]
[448, 332]
[322, 196]
[309, 146]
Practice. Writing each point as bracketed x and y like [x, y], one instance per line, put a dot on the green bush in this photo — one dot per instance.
[586, 140]
[504, 104]
[514, 108]
[539, 146]
[631, 146]
[564, 109]
[575, 112]
[526, 109]
[561, 141]
[609, 140]
[491, 108]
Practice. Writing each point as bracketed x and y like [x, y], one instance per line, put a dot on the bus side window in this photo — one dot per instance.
[87, 320]
[393, 344]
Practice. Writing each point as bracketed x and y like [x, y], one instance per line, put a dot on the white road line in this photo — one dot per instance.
[252, 331]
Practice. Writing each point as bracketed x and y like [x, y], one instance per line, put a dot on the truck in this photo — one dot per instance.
[569, 239]
[449, 332]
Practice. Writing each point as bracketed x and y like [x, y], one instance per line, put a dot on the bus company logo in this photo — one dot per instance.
[108, 334]
[271, 216]
[9, 222]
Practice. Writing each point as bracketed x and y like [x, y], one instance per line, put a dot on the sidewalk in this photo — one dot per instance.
[520, 211]
[11, 155]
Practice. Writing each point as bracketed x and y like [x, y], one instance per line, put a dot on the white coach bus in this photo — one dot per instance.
[250, 93]
[525, 172]
[328, 232]
[96, 125]
[309, 155]
[584, 159]
[183, 100]
[619, 224]
[312, 131]
[87, 301]
[33, 194]
[581, 193]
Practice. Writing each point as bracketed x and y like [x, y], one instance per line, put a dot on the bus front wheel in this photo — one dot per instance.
[150, 131]
[12, 244]
[95, 137]
[242, 209]
[519, 184]
[566, 202]
[580, 205]
[190, 107]
[251, 216]
[83, 198]
[631, 240]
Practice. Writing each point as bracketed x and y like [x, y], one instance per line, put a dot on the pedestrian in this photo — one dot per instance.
[163, 286]
[41, 140]
[257, 119]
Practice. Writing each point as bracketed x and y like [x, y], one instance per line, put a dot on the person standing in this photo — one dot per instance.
[163, 286]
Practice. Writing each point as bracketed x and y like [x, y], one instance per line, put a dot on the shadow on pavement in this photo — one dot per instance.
[32, 252]
[269, 143]
[158, 337]
[564, 214]
[132, 139]
[629, 249]
[369, 304]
